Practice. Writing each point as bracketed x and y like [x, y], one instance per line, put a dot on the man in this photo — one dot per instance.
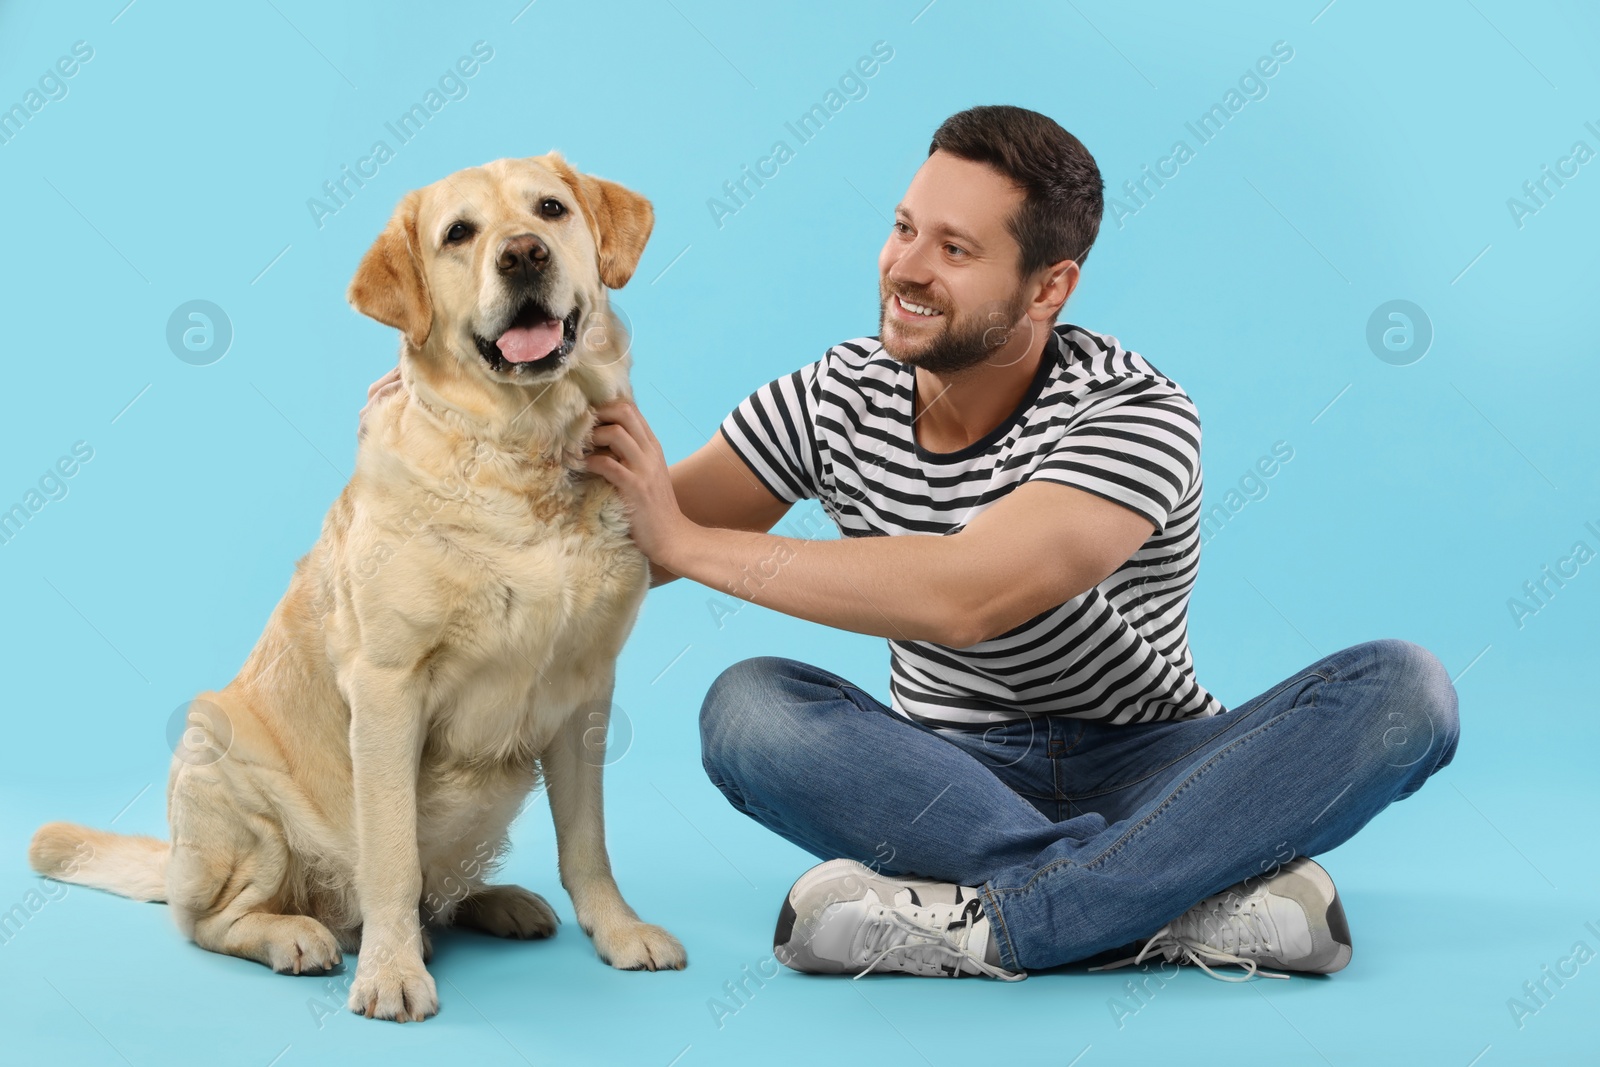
[1019, 503]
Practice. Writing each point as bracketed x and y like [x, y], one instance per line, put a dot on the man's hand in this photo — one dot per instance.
[379, 389]
[627, 454]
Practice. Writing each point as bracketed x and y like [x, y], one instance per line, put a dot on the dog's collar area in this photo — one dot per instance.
[517, 349]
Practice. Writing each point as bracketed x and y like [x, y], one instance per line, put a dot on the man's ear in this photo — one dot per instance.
[620, 218]
[389, 285]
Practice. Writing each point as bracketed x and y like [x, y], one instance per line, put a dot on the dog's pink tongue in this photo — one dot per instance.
[524, 344]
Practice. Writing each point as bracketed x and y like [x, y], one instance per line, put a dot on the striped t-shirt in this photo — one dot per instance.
[1096, 417]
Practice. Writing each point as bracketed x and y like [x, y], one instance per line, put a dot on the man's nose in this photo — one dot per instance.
[909, 265]
[522, 256]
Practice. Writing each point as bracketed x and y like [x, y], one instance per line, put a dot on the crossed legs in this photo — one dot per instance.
[1081, 836]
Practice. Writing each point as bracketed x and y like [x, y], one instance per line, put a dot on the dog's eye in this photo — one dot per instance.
[457, 233]
[551, 208]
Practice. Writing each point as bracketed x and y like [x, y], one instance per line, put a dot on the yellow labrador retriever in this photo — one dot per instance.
[452, 635]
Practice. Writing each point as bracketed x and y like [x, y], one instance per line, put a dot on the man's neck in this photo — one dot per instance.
[955, 410]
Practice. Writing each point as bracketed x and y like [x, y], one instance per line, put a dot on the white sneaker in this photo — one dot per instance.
[842, 916]
[1292, 921]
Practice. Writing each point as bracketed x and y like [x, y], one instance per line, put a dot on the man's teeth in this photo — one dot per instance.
[916, 309]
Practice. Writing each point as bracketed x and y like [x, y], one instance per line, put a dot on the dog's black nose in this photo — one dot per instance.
[523, 254]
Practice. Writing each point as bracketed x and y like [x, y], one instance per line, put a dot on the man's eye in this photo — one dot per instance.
[457, 233]
[957, 250]
[551, 208]
[900, 227]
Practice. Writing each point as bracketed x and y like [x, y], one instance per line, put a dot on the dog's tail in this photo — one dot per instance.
[131, 865]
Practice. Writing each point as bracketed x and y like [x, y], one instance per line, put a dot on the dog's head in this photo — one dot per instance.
[501, 270]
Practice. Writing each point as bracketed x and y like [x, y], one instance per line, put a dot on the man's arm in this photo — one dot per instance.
[1039, 546]
[715, 488]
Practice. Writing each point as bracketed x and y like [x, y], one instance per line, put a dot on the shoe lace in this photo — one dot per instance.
[926, 937]
[1217, 929]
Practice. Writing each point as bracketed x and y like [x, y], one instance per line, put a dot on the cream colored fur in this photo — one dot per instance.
[451, 637]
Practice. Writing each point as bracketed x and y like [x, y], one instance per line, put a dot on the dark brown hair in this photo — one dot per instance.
[1060, 214]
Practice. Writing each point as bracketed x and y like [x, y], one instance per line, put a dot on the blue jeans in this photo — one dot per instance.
[1081, 836]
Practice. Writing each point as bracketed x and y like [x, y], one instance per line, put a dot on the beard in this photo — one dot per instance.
[962, 341]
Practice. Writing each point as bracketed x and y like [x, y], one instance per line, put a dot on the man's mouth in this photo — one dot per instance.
[533, 340]
[911, 310]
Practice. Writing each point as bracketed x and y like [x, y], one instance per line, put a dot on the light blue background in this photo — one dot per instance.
[1418, 501]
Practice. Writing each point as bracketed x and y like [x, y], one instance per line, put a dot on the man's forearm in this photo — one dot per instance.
[905, 587]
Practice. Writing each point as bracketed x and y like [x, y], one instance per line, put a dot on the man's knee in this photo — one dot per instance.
[741, 700]
[1421, 717]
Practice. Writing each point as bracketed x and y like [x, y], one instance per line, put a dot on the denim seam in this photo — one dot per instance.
[998, 928]
[1188, 782]
[871, 704]
[1280, 687]
[1128, 836]
[848, 691]
[1076, 741]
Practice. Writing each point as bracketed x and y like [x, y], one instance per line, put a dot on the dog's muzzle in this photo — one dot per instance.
[535, 338]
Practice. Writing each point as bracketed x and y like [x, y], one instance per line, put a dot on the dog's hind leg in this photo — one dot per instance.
[289, 944]
[507, 911]
[225, 882]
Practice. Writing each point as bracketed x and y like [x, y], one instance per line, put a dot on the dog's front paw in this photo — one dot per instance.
[393, 986]
[639, 946]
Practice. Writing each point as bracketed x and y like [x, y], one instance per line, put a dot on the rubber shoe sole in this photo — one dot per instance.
[1304, 881]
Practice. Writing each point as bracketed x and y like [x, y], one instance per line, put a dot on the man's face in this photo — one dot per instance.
[949, 252]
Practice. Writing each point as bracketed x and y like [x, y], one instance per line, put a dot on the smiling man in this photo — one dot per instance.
[1019, 502]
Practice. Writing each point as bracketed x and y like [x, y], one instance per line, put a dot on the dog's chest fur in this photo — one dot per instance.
[508, 587]
[538, 621]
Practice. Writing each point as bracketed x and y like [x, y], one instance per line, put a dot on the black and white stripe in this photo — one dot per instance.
[1097, 417]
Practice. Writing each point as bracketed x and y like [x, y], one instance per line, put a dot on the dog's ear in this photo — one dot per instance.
[620, 218]
[389, 285]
